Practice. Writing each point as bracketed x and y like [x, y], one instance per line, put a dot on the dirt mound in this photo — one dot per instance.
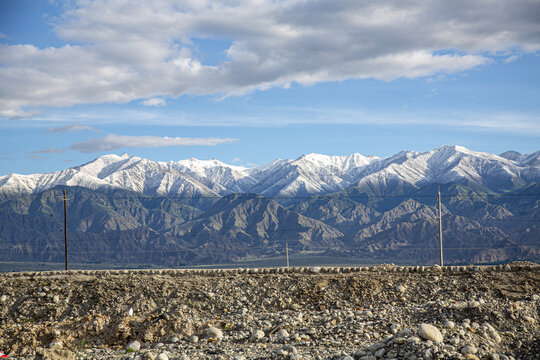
[109, 309]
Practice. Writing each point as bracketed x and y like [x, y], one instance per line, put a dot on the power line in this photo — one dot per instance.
[314, 197]
[247, 249]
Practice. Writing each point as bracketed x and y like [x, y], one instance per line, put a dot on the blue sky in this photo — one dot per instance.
[253, 81]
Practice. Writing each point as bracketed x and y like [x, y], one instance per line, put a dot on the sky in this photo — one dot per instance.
[247, 82]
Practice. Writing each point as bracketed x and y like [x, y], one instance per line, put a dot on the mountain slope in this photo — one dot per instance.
[250, 225]
[308, 175]
[128, 209]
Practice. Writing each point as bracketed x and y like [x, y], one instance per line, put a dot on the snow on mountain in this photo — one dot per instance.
[523, 159]
[309, 174]
[446, 165]
[214, 172]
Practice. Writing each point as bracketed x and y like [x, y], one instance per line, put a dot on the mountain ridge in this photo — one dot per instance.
[307, 175]
[191, 212]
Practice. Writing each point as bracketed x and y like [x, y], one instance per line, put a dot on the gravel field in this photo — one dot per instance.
[381, 312]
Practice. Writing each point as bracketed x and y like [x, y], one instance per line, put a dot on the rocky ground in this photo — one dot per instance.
[383, 312]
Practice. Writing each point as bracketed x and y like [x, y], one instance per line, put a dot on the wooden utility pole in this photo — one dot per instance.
[287, 252]
[65, 228]
[440, 227]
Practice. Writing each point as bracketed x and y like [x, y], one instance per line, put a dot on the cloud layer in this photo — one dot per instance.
[128, 50]
[113, 142]
[71, 128]
[154, 102]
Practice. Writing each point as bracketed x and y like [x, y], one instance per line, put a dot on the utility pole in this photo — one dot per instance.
[65, 228]
[440, 227]
[287, 252]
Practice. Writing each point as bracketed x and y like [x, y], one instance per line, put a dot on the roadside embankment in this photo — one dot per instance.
[381, 312]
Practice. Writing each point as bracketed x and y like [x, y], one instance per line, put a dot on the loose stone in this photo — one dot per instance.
[430, 332]
[469, 349]
[133, 346]
[257, 335]
[449, 325]
[214, 332]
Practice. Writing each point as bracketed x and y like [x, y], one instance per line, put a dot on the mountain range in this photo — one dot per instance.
[130, 209]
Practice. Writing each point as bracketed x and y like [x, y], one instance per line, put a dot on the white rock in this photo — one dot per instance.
[535, 297]
[529, 319]
[449, 325]
[133, 346]
[130, 312]
[495, 336]
[174, 339]
[3, 298]
[315, 270]
[469, 349]
[448, 348]
[214, 332]
[290, 349]
[400, 288]
[257, 335]
[194, 339]
[282, 333]
[162, 356]
[430, 332]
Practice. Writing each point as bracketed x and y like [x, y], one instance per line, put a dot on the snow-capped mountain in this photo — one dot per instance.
[307, 175]
[211, 215]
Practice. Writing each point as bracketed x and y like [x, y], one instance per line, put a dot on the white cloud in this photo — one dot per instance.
[72, 128]
[129, 50]
[14, 113]
[48, 151]
[112, 142]
[154, 102]
[510, 59]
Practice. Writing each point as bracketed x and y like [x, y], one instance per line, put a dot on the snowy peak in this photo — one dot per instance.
[523, 159]
[511, 155]
[343, 163]
[443, 165]
[105, 165]
[307, 175]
